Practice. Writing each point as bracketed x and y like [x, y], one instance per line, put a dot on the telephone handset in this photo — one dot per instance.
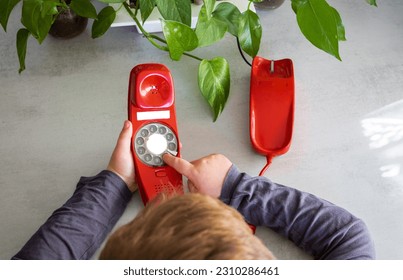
[271, 106]
[151, 110]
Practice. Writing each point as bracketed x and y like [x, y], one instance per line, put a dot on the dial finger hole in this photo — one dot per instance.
[144, 132]
[141, 151]
[148, 157]
[169, 136]
[153, 128]
[140, 141]
[157, 160]
[172, 146]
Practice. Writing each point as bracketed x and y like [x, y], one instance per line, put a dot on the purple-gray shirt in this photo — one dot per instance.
[78, 228]
[317, 226]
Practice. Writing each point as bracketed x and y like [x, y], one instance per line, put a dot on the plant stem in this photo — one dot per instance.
[241, 52]
[151, 37]
[157, 38]
[145, 33]
[250, 2]
[185, 53]
[137, 8]
[193, 56]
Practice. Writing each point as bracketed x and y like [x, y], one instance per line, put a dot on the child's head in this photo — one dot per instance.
[189, 226]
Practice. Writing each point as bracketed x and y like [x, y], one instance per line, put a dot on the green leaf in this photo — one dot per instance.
[179, 37]
[146, 7]
[6, 6]
[295, 4]
[83, 8]
[44, 25]
[104, 20]
[249, 32]
[112, 1]
[372, 2]
[177, 10]
[22, 39]
[209, 31]
[317, 22]
[341, 32]
[49, 8]
[209, 4]
[30, 15]
[229, 13]
[214, 83]
[31, 18]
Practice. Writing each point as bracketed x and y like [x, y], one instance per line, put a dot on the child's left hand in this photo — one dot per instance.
[121, 162]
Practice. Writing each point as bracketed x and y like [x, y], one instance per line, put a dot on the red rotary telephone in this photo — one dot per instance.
[151, 110]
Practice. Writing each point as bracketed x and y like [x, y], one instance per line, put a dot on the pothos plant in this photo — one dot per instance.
[320, 23]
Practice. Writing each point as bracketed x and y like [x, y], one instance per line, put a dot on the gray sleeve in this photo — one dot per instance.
[77, 229]
[317, 226]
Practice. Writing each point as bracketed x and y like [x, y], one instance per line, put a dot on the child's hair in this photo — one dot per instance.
[189, 226]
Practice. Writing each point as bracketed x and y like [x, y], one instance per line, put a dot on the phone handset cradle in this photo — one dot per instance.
[271, 107]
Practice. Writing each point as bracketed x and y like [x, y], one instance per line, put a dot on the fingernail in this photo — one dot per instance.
[126, 124]
[171, 153]
[165, 155]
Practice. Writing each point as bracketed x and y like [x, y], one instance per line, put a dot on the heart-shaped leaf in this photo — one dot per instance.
[83, 8]
[209, 30]
[33, 20]
[249, 32]
[104, 20]
[229, 13]
[177, 10]
[214, 83]
[318, 23]
[180, 38]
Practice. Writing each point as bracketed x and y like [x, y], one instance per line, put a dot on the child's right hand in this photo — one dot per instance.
[205, 175]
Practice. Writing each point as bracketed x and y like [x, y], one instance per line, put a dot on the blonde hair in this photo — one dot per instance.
[189, 226]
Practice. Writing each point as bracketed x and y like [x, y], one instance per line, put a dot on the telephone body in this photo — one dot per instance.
[151, 109]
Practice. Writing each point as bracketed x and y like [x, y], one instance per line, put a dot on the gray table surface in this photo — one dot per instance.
[60, 118]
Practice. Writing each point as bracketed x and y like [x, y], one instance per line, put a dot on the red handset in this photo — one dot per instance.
[271, 106]
[151, 108]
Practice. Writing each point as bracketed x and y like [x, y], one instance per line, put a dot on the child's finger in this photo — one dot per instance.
[124, 140]
[192, 188]
[179, 164]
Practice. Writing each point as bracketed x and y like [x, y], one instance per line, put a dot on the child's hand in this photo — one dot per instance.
[205, 175]
[121, 162]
